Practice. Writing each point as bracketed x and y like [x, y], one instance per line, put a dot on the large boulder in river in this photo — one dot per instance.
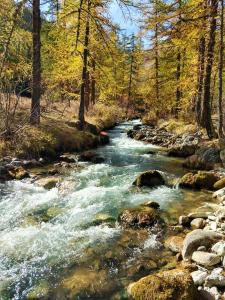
[175, 284]
[201, 180]
[183, 150]
[150, 179]
[138, 217]
[197, 238]
[204, 159]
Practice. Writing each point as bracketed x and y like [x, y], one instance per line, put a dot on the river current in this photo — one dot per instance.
[74, 254]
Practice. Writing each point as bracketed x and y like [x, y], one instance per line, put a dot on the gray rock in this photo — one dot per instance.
[216, 278]
[219, 195]
[197, 223]
[205, 259]
[197, 238]
[199, 277]
[199, 214]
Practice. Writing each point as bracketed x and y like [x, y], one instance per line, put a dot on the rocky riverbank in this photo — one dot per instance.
[198, 244]
[198, 151]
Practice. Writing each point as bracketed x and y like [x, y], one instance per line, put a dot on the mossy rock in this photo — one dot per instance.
[201, 180]
[220, 184]
[39, 292]
[48, 182]
[175, 284]
[149, 179]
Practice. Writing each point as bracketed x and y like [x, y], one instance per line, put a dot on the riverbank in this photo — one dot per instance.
[32, 147]
[198, 246]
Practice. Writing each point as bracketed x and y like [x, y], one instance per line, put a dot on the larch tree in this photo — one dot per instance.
[36, 65]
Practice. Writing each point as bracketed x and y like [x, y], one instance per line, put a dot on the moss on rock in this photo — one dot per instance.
[175, 284]
[150, 179]
[201, 180]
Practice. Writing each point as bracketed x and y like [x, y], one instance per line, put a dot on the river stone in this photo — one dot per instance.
[201, 180]
[197, 238]
[138, 217]
[48, 182]
[216, 278]
[150, 179]
[220, 195]
[219, 248]
[174, 243]
[220, 184]
[199, 277]
[174, 284]
[199, 214]
[183, 150]
[205, 259]
[18, 173]
[197, 223]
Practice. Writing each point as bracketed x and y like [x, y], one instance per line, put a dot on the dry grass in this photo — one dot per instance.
[57, 132]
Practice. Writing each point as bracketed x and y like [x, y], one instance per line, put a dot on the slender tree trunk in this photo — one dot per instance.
[87, 92]
[220, 98]
[156, 54]
[178, 91]
[84, 71]
[206, 109]
[36, 73]
[131, 76]
[93, 83]
[201, 71]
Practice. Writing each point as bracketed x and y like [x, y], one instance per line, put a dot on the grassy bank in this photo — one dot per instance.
[58, 133]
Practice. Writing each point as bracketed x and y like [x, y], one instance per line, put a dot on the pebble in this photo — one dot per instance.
[199, 277]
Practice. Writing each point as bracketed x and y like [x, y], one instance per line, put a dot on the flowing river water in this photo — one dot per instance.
[74, 254]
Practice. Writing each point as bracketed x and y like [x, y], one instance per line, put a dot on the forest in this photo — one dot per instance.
[112, 150]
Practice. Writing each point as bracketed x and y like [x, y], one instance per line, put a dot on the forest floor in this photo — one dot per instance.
[57, 132]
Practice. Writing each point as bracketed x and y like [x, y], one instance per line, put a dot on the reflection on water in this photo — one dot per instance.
[51, 243]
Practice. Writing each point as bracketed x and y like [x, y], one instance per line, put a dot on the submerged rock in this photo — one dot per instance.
[151, 204]
[48, 182]
[39, 292]
[150, 179]
[197, 238]
[85, 282]
[175, 243]
[139, 217]
[91, 156]
[201, 180]
[175, 284]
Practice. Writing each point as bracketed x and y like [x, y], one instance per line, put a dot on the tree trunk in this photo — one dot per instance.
[131, 76]
[178, 91]
[156, 54]
[93, 83]
[36, 73]
[220, 98]
[84, 71]
[201, 71]
[206, 109]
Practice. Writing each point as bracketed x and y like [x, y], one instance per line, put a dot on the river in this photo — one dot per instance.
[72, 253]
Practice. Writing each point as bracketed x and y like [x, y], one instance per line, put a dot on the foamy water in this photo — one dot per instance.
[30, 250]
